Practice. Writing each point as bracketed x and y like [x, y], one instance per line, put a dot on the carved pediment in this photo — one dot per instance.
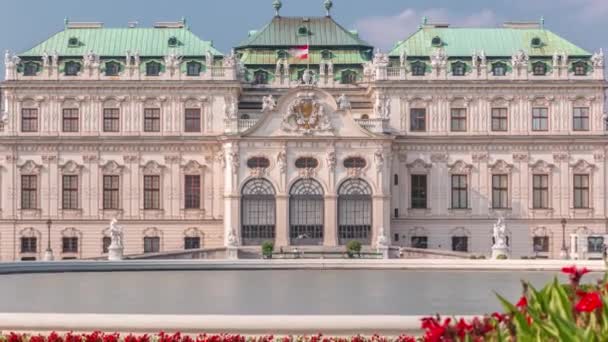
[30, 168]
[111, 168]
[152, 168]
[307, 115]
[500, 166]
[419, 165]
[542, 166]
[193, 167]
[460, 167]
[582, 166]
[71, 167]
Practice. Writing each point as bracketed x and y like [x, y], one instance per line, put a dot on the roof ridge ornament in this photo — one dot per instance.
[277, 5]
[328, 4]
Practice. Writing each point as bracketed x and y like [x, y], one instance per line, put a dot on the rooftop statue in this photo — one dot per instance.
[343, 103]
[268, 103]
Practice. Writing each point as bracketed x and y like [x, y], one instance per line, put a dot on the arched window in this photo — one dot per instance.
[112, 69]
[536, 42]
[282, 54]
[152, 69]
[258, 212]
[349, 77]
[354, 163]
[260, 77]
[539, 69]
[193, 68]
[307, 163]
[326, 54]
[355, 212]
[30, 69]
[499, 69]
[72, 68]
[418, 68]
[306, 214]
[580, 68]
[172, 42]
[258, 163]
[458, 69]
[436, 41]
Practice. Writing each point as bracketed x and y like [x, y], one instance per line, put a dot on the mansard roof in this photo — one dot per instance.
[112, 42]
[496, 42]
[285, 32]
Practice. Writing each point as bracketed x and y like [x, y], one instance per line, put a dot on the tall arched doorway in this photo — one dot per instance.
[258, 213]
[306, 214]
[355, 212]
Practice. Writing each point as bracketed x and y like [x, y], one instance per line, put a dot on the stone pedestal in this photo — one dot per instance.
[500, 250]
[115, 253]
[384, 250]
[48, 255]
[232, 253]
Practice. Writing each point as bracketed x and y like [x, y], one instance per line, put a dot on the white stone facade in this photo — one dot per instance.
[390, 151]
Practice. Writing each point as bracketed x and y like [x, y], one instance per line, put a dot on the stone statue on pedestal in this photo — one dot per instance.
[232, 246]
[116, 248]
[382, 244]
[500, 246]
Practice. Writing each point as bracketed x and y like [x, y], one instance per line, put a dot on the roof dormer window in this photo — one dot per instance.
[172, 42]
[73, 42]
[436, 41]
[282, 54]
[536, 42]
[326, 54]
[302, 31]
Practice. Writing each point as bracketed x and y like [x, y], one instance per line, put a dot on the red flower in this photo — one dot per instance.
[38, 338]
[54, 337]
[574, 273]
[523, 303]
[14, 337]
[434, 329]
[499, 317]
[111, 338]
[404, 338]
[463, 328]
[589, 302]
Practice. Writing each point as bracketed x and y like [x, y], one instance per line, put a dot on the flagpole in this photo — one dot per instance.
[308, 45]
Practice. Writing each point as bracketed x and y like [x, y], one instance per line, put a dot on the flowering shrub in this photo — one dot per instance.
[571, 312]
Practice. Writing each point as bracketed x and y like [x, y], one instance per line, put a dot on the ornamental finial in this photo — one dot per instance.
[277, 4]
[542, 22]
[328, 6]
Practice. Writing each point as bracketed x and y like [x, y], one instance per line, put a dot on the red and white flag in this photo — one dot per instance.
[299, 52]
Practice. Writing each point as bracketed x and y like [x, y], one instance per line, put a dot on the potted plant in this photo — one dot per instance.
[267, 249]
[353, 248]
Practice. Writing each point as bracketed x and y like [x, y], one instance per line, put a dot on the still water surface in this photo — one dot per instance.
[294, 292]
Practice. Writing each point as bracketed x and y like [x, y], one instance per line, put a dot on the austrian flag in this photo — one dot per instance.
[299, 52]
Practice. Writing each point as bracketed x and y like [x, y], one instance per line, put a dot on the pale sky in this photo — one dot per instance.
[24, 23]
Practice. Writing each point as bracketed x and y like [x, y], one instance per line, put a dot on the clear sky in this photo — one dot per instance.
[24, 23]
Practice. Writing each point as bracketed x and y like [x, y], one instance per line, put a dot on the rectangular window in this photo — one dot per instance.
[193, 120]
[29, 120]
[418, 120]
[581, 191]
[106, 241]
[420, 242]
[595, 244]
[70, 192]
[500, 191]
[29, 245]
[459, 192]
[152, 120]
[581, 119]
[111, 188]
[192, 242]
[419, 191]
[499, 120]
[70, 120]
[29, 192]
[540, 244]
[460, 243]
[458, 120]
[540, 191]
[111, 119]
[151, 244]
[193, 192]
[540, 119]
[69, 244]
[151, 192]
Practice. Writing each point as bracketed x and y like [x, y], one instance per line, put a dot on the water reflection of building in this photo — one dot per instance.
[431, 142]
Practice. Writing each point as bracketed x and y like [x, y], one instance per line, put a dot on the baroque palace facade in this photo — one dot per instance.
[425, 146]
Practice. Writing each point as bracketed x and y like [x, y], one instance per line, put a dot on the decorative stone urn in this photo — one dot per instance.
[116, 248]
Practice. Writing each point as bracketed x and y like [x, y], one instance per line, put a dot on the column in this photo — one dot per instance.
[231, 195]
[331, 221]
[282, 220]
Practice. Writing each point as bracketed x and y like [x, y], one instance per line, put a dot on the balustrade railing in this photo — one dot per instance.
[245, 124]
[374, 125]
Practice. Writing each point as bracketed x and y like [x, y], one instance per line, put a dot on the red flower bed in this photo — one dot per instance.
[558, 312]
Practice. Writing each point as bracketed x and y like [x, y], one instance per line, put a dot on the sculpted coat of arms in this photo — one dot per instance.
[306, 115]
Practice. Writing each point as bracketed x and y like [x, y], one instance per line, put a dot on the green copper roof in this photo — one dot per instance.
[497, 42]
[269, 57]
[117, 41]
[286, 31]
